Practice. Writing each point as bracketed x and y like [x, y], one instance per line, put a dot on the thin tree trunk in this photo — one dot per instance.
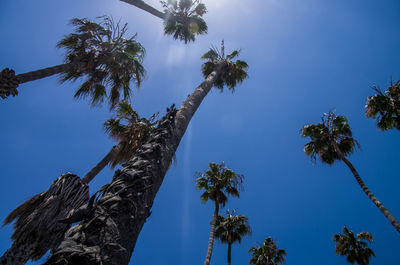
[383, 209]
[109, 232]
[212, 233]
[101, 165]
[142, 5]
[229, 253]
[42, 73]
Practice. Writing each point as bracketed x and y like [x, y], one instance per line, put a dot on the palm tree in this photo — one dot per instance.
[98, 51]
[182, 19]
[385, 107]
[42, 221]
[355, 248]
[218, 182]
[332, 140]
[231, 229]
[267, 253]
[109, 231]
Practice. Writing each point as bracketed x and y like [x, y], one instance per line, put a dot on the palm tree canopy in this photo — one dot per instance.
[233, 72]
[385, 107]
[267, 253]
[355, 248]
[184, 19]
[232, 228]
[100, 52]
[129, 129]
[218, 182]
[332, 130]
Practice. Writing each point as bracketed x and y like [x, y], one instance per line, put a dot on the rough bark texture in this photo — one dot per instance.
[38, 227]
[364, 187]
[383, 209]
[212, 233]
[142, 5]
[9, 81]
[101, 165]
[109, 232]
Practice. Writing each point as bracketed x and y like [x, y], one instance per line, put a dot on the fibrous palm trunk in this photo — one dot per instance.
[142, 5]
[9, 81]
[364, 187]
[383, 209]
[212, 234]
[109, 232]
[42, 221]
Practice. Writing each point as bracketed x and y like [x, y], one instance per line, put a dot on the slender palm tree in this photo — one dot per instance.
[355, 248]
[109, 231]
[42, 220]
[267, 254]
[231, 229]
[218, 182]
[97, 51]
[182, 19]
[384, 107]
[332, 140]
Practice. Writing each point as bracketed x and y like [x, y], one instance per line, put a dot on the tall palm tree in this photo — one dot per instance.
[42, 220]
[109, 232]
[182, 19]
[218, 182]
[231, 229]
[267, 254]
[97, 51]
[332, 140]
[385, 107]
[355, 248]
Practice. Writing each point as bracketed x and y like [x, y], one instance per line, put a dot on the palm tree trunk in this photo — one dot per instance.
[142, 5]
[364, 187]
[212, 233]
[42, 73]
[383, 209]
[101, 165]
[109, 232]
[9, 81]
[229, 253]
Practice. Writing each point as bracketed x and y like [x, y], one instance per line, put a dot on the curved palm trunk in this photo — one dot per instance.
[378, 204]
[9, 81]
[229, 253]
[101, 165]
[212, 233]
[142, 5]
[383, 209]
[109, 232]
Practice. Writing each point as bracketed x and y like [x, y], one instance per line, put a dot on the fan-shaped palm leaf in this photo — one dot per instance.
[384, 107]
[267, 253]
[355, 248]
[97, 51]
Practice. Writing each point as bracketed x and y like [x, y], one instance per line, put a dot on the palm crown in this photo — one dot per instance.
[355, 248]
[232, 72]
[218, 182]
[334, 131]
[184, 19]
[385, 107]
[267, 254]
[100, 51]
[232, 228]
[129, 129]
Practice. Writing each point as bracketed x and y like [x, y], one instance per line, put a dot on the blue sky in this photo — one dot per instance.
[306, 58]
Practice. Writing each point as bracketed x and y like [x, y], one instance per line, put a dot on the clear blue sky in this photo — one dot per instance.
[306, 58]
